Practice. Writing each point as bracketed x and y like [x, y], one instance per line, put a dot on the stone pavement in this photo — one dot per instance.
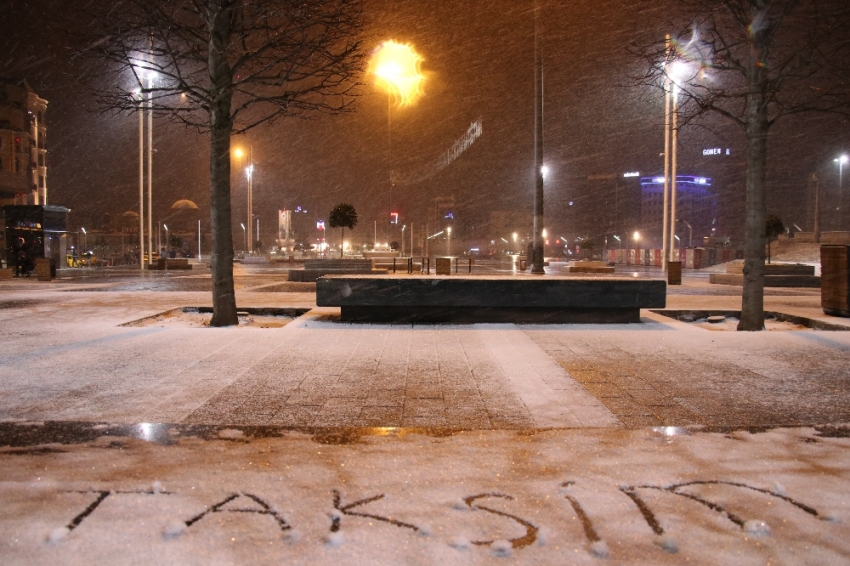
[67, 358]
[320, 442]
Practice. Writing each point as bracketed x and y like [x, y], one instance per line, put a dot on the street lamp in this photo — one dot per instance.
[396, 68]
[249, 174]
[166, 235]
[449, 241]
[244, 233]
[403, 227]
[431, 237]
[672, 72]
[841, 160]
[690, 233]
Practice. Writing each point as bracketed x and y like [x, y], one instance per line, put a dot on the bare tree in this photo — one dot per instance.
[224, 67]
[754, 62]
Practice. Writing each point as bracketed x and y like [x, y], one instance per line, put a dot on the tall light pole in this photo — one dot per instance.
[402, 240]
[449, 241]
[674, 142]
[150, 169]
[537, 246]
[249, 174]
[396, 68]
[841, 160]
[244, 233]
[141, 184]
[666, 189]
[672, 70]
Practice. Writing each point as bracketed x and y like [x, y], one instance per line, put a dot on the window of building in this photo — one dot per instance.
[1, 162]
[17, 165]
[41, 181]
[41, 160]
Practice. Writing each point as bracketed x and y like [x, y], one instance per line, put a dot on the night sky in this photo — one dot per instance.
[479, 63]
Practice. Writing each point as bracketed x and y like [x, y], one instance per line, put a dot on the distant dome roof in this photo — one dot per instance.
[184, 204]
[130, 214]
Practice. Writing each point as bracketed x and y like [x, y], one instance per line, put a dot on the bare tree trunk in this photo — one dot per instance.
[752, 301]
[342, 242]
[220, 17]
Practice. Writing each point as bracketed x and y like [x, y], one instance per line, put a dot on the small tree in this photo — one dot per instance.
[773, 226]
[343, 216]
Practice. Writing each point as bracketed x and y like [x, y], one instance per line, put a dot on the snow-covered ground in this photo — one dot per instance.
[589, 496]
[317, 441]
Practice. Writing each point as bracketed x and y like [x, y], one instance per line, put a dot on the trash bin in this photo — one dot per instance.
[444, 265]
[674, 272]
[835, 280]
[45, 268]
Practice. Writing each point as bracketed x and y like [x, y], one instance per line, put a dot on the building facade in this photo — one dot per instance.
[23, 145]
[696, 209]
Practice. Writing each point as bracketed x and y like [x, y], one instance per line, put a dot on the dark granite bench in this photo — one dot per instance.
[775, 275]
[315, 268]
[489, 298]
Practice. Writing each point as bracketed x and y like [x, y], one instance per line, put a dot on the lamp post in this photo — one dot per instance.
[167, 244]
[403, 227]
[690, 233]
[249, 174]
[841, 160]
[244, 233]
[396, 68]
[537, 246]
[449, 241]
[141, 183]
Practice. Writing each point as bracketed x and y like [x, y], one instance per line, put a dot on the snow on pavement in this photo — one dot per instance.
[593, 496]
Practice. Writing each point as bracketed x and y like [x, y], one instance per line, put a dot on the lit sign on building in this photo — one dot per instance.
[632, 174]
[716, 151]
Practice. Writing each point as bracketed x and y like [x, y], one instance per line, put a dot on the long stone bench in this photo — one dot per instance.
[315, 268]
[420, 298]
[775, 275]
[589, 267]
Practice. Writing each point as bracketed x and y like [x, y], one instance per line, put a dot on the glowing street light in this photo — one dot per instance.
[396, 68]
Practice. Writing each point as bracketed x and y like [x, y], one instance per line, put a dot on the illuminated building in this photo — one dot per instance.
[696, 205]
[23, 149]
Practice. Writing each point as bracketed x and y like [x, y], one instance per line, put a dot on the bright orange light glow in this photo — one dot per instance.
[238, 153]
[396, 70]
